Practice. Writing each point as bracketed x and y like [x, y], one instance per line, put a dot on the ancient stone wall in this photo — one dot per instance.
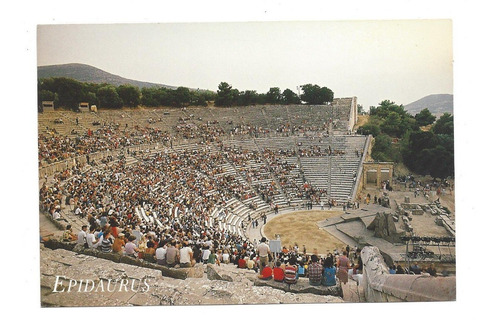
[384, 227]
[381, 286]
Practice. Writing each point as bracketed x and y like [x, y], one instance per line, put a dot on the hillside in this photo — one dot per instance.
[436, 103]
[86, 73]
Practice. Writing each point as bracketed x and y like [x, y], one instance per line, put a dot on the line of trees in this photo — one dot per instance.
[312, 94]
[400, 137]
[68, 93]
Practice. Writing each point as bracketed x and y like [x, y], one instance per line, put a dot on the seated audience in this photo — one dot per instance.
[161, 253]
[68, 235]
[106, 241]
[186, 259]
[278, 272]
[400, 270]
[392, 269]
[131, 248]
[328, 278]
[119, 243]
[213, 259]
[431, 270]
[172, 254]
[315, 271]
[291, 270]
[415, 268]
[266, 272]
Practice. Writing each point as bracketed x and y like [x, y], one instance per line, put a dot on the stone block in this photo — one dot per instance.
[302, 286]
[176, 273]
[195, 272]
[439, 221]
[214, 273]
[67, 245]
[131, 260]
[52, 244]
[418, 212]
[109, 256]
[90, 252]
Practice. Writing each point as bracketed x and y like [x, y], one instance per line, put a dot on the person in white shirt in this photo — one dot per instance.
[56, 215]
[225, 257]
[78, 211]
[161, 253]
[186, 256]
[81, 238]
[91, 239]
[206, 254]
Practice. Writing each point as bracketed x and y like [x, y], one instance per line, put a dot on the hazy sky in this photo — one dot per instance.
[400, 60]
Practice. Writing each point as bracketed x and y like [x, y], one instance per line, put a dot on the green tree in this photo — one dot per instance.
[424, 117]
[165, 96]
[274, 96]
[314, 94]
[248, 97]
[369, 128]
[91, 98]
[385, 107]
[45, 95]
[199, 98]
[181, 97]
[108, 97]
[326, 95]
[417, 153]
[290, 97]
[148, 97]
[226, 95]
[261, 98]
[444, 125]
[130, 95]
[392, 124]
[382, 148]
[394, 119]
[69, 92]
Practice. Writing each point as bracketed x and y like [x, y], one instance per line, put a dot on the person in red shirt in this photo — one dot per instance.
[242, 263]
[278, 272]
[266, 273]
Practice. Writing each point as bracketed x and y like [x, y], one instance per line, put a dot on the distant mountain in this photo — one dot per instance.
[437, 104]
[86, 73]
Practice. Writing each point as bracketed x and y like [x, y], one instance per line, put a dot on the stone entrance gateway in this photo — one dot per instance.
[374, 173]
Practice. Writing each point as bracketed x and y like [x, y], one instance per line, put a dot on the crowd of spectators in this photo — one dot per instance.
[161, 209]
[415, 268]
[111, 134]
[290, 264]
[53, 147]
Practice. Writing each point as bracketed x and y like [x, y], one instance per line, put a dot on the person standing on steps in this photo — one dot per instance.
[263, 251]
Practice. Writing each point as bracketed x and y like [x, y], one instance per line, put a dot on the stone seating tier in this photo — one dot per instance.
[331, 173]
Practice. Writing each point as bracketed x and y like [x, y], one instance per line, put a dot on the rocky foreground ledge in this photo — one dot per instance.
[72, 279]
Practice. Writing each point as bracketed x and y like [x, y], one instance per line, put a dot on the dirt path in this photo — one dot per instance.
[301, 228]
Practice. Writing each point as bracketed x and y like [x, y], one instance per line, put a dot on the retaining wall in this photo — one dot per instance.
[381, 286]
